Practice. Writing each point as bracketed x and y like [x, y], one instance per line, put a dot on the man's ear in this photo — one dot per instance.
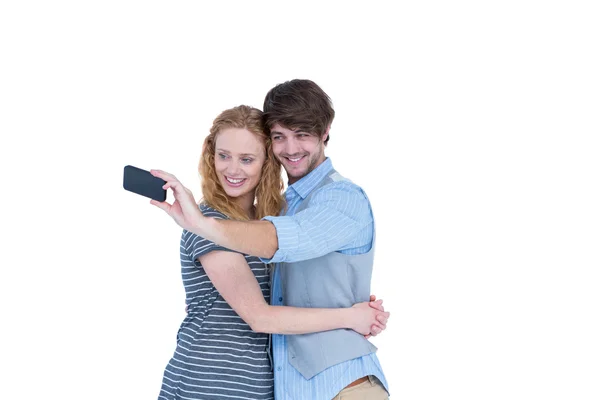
[326, 134]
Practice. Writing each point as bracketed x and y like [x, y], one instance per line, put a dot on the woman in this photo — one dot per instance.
[222, 345]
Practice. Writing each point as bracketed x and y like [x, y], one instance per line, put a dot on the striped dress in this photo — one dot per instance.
[218, 356]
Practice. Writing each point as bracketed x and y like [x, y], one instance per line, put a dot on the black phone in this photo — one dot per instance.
[142, 182]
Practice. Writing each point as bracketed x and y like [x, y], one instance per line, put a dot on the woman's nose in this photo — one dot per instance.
[233, 168]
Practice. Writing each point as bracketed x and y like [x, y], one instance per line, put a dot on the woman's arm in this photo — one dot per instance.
[234, 280]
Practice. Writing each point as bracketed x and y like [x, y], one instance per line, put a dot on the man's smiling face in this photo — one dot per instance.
[299, 152]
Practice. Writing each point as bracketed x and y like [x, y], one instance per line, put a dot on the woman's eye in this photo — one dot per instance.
[222, 156]
[247, 160]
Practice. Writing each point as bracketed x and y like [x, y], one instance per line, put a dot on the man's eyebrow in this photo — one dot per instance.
[293, 131]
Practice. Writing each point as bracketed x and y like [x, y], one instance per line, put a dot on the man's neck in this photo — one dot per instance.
[292, 180]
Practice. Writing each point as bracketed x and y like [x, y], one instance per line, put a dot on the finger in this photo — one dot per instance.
[382, 318]
[175, 186]
[162, 205]
[165, 176]
[381, 325]
[377, 305]
[367, 336]
[372, 298]
[178, 189]
[375, 330]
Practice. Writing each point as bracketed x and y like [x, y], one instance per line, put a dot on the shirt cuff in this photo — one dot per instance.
[287, 238]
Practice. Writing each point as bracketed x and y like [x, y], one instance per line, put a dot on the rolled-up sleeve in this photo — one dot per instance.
[287, 238]
[332, 222]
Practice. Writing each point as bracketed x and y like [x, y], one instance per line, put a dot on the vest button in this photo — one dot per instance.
[281, 299]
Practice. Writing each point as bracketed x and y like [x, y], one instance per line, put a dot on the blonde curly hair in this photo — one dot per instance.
[268, 197]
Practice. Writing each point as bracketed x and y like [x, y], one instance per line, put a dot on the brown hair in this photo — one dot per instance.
[299, 104]
[269, 198]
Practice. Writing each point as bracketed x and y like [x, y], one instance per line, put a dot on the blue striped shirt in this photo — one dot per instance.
[338, 218]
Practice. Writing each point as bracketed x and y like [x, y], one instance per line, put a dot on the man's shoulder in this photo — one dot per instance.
[341, 194]
[335, 176]
[336, 182]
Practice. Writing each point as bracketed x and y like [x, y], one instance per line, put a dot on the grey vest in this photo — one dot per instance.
[334, 280]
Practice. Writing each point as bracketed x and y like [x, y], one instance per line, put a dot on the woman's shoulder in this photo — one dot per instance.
[209, 211]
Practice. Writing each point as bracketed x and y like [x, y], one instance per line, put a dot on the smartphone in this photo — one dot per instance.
[142, 182]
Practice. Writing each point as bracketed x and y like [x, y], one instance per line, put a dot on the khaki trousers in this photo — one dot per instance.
[368, 390]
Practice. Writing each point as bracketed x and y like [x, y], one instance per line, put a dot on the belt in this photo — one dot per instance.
[358, 382]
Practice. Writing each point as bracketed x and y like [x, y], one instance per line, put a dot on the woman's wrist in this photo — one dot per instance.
[349, 316]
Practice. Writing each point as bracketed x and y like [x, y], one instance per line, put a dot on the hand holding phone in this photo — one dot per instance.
[142, 182]
[184, 210]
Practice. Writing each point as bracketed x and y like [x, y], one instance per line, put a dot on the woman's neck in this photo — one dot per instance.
[247, 204]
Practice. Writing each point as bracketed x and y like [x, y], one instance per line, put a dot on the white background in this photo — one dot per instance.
[473, 126]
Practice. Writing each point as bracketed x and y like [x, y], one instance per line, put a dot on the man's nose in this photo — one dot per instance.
[291, 147]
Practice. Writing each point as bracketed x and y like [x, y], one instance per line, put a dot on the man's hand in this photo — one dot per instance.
[184, 209]
[378, 305]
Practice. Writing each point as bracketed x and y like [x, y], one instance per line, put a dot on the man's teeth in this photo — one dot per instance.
[234, 180]
[295, 159]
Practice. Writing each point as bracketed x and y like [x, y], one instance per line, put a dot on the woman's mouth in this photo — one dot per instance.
[234, 182]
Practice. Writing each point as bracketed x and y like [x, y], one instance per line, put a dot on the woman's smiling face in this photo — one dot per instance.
[239, 157]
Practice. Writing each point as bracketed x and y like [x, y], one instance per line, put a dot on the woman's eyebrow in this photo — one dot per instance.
[228, 152]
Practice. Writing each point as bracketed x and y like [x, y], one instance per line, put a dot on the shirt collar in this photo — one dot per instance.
[306, 185]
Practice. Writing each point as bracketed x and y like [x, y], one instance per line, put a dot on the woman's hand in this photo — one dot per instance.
[184, 209]
[369, 318]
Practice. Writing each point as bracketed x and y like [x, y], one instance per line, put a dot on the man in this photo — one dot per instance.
[322, 246]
